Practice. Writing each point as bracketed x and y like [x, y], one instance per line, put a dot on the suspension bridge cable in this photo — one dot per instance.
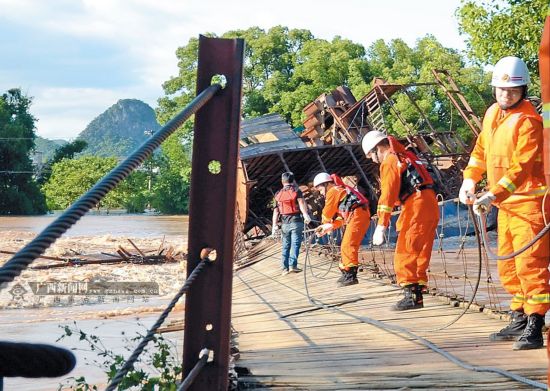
[402, 330]
[388, 327]
[483, 223]
[203, 358]
[24, 257]
[129, 364]
[474, 293]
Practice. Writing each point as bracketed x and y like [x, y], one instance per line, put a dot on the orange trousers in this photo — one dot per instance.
[526, 276]
[355, 231]
[416, 226]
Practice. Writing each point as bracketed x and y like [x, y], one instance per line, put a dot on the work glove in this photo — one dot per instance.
[466, 194]
[324, 229]
[307, 219]
[378, 237]
[275, 231]
[483, 203]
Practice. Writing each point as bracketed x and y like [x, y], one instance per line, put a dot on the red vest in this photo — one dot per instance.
[287, 200]
[415, 176]
[353, 198]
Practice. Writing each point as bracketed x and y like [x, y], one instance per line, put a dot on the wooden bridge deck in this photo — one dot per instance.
[343, 342]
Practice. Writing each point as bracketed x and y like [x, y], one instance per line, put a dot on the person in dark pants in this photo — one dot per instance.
[292, 210]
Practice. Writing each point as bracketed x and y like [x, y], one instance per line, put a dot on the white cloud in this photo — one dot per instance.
[144, 35]
[65, 112]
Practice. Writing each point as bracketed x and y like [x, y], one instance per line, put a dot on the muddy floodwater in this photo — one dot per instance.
[112, 224]
[26, 316]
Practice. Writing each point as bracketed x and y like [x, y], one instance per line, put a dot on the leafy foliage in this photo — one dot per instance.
[46, 148]
[68, 151]
[398, 63]
[71, 178]
[157, 368]
[19, 193]
[65, 151]
[286, 69]
[498, 28]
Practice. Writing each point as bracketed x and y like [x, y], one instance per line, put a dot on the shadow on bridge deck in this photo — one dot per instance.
[346, 341]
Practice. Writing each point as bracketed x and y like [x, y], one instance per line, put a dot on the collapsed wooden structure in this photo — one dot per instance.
[330, 141]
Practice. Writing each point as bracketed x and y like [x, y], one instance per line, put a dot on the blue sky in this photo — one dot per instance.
[76, 58]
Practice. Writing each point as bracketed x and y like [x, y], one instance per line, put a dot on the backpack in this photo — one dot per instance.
[351, 201]
[287, 200]
[416, 176]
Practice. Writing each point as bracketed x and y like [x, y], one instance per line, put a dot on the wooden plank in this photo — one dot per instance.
[286, 342]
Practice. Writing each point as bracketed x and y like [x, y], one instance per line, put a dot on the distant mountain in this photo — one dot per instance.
[120, 129]
[45, 149]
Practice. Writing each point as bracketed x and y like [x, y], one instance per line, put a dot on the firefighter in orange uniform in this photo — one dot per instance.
[343, 206]
[509, 151]
[406, 182]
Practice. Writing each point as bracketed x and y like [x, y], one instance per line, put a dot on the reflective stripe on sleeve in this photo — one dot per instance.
[384, 208]
[507, 184]
[518, 299]
[546, 115]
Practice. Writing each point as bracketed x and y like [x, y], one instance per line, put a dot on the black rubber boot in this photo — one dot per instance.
[531, 338]
[342, 277]
[517, 324]
[349, 277]
[413, 298]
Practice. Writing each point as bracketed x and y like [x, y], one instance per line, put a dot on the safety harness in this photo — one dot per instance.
[415, 177]
[352, 200]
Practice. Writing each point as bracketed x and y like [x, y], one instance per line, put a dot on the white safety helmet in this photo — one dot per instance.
[371, 140]
[321, 178]
[510, 72]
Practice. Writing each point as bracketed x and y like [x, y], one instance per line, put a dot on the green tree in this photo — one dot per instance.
[398, 63]
[270, 60]
[286, 69]
[170, 190]
[498, 28]
[19, 193]
[321, 66]
[71, 178]
[66, 151]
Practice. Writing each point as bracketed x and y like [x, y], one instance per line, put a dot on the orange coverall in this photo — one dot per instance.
[356, 226]
[509, 151]
[416, 224]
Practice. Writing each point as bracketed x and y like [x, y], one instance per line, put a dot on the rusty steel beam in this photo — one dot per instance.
[372, 191]
[212, 212]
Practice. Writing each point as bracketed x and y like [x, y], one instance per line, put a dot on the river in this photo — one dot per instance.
[107, 319]
[129, 225]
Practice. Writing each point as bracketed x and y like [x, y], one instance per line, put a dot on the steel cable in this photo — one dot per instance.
[203, 358]
[411, 334]
[402, 330]
[474, 293]
[128, 365]
[483, 223]
[24, 257]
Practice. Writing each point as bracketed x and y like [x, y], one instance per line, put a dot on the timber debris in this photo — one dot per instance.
[122, 255]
